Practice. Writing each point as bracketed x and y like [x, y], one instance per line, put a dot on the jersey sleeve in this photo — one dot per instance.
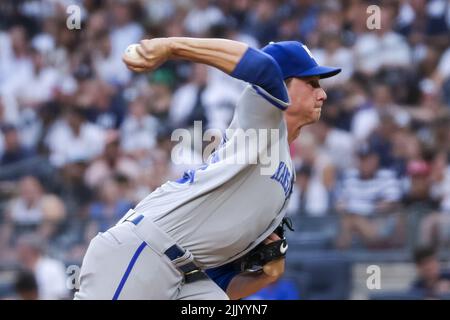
[256, 108]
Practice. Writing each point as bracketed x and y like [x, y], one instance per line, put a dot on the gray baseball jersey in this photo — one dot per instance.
[224, 209]
[216, 213]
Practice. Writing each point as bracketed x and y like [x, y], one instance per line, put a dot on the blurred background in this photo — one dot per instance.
[82, 139]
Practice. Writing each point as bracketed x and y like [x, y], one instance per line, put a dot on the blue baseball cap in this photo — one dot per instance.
[295, 60]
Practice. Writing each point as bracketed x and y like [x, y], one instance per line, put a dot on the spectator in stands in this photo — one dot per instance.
[38, 85]
[336, 143]
[75, 193]
[159, 96]
[309, 198]
[432, 281]
[368, 119]
[108, 209]
[15, 56]
[139, 129]
[33, 210]
[126, 28]
[160, 169]
[189, 103]
[261, 22]
[395, 52]
[85, 139]
[201, 17]
[13, 150]
[402, 148]
[50, 273]
[368, 203]
[101, 104]
[107, 67]
[26, 286]
[111, 163]
[418, 184]
[323, 170]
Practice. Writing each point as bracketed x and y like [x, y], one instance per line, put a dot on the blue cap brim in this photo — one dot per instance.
[321, 71]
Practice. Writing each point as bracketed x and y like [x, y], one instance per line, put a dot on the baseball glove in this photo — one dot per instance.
[262, 254]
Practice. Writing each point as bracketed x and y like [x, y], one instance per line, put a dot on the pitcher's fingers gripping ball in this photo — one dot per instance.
[132, 56]
[146, 56]
[131, 52]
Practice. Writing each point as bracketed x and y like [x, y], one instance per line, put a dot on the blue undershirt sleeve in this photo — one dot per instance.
[222, 275]
[259, 68]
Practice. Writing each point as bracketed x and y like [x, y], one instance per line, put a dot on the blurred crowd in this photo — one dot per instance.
[83, 139]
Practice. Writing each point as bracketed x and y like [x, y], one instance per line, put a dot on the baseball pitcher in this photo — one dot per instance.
[216, 214]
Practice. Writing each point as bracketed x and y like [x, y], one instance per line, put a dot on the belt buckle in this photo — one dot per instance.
[192, 272]
[194, 275]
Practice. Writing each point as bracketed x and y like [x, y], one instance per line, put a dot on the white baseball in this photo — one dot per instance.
[131, 51]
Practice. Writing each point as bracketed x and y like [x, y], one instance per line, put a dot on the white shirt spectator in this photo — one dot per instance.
[11, 66]
[22, 214]
[364, 122]
[198, 20]
[30, 88]
[65, 147]
[51, 279]
[138, 134]
[339, 146]
[183, 102]
[360, 196]
[373, 51]
[30, 125]
[316, 200]
[111, 70]
[219, 98]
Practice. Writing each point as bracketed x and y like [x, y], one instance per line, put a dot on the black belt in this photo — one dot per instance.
[190, 271]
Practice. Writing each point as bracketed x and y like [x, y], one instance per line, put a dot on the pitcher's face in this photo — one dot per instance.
[307, 98]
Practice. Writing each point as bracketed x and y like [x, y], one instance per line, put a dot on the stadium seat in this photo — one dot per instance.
[321, 277]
